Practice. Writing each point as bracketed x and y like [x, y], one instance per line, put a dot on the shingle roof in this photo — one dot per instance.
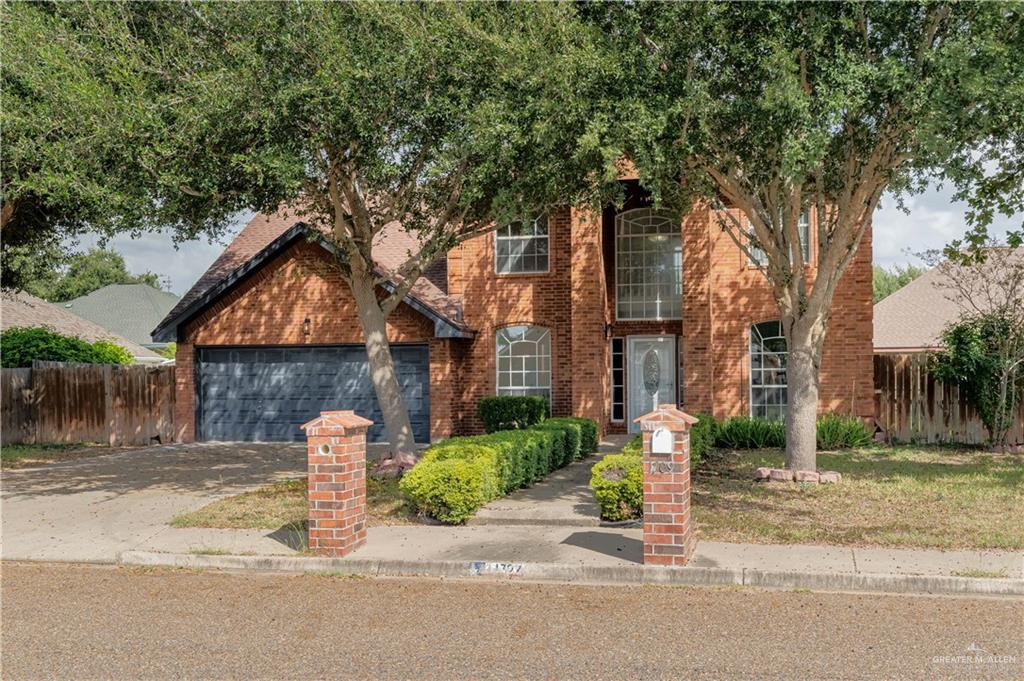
[913, 318]
[23, 309]
[130, 310]
[391, 249]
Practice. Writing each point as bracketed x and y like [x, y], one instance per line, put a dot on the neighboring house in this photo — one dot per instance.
[25, 310]
[913, 318]
[606, 314]
[129, 310]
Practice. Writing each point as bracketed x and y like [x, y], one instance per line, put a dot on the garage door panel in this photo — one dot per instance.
[267, 393]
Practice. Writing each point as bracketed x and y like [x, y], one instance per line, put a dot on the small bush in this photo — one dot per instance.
[506, 412]
[587, 429]
[702, 439]
[618, 484]
[634, 446]
[456, 477]
[745, 432]
[842, 432]
[20, 346]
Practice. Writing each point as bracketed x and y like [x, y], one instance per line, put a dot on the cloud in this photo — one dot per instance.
[934, 220]
[156, 252]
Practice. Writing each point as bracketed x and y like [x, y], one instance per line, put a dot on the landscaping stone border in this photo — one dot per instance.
[626, 574]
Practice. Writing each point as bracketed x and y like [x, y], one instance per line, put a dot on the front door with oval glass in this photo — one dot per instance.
[652, 364]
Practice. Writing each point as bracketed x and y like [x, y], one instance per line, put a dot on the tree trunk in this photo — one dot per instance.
[802, 409]
[382, 370]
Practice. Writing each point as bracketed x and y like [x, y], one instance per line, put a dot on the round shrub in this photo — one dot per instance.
[508, 412]
[450, 490]
[618, 484]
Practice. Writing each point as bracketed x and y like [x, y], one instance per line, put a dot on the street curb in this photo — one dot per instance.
[579, 574]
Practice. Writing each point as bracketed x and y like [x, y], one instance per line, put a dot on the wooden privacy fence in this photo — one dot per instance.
[911, 406]
[60, 402]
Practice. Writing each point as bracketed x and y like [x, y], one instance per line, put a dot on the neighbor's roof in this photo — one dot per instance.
[913, 318]
[265, 232]
[25, 310]
[131, 310]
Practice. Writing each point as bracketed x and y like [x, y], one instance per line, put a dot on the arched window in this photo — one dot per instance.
[768, 392]
[648, 265]
[524, 361]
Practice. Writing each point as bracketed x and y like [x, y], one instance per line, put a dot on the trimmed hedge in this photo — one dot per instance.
[456, 477]
[507, 412]
[833, 432]
[20, 346]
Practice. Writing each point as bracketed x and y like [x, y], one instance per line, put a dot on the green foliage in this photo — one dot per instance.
[702, 439]
[745, 432]
[635, 445]
[20, 346]
[456, 477]
[587, 429]
[508, 412]
[618, 484]
[85, 273]
[842, 432]
[833, 432]
[885, 282]
[169, 352]
[985, 356]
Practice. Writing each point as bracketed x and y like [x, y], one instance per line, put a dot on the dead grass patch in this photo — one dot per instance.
[283, 504]
[928, 497]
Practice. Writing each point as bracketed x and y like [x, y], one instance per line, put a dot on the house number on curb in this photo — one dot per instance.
[661, 467]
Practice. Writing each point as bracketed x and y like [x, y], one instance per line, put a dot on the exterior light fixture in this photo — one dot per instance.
[305, 327]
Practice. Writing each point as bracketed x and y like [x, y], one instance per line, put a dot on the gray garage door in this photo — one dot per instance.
[265, 394]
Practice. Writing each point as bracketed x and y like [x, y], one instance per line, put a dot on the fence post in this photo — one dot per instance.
[336, 454]
[668, 532]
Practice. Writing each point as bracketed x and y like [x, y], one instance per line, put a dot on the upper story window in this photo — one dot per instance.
[768, 384]
[524, 361]
[648, 265]
[522, 247]
[803, 228]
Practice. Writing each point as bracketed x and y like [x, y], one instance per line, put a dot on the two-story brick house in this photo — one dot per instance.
[606, 314]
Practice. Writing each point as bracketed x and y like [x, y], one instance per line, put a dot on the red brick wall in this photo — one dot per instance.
[492, 301]
[270, 308]
[740, 296]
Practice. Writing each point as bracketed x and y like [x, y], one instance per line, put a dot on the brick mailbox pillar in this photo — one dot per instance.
[668, 532]
[336, 453]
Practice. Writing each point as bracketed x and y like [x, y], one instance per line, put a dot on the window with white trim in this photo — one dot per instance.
[524, 361]
[618, 356]
[648, 265]
[768, 385]
[522, 247]
[803, 230]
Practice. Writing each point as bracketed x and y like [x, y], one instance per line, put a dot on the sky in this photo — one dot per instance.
[934, 220]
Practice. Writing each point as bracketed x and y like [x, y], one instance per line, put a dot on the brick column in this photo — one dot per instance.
[590, 369]
[336, 453]
[668, 532]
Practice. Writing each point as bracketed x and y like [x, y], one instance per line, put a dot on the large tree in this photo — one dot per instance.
[440, 118]
[85, 273]
[772, 110]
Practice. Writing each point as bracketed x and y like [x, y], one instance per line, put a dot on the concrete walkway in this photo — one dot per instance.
[563, 498]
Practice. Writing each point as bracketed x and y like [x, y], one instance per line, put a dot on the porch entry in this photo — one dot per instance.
[652, 364]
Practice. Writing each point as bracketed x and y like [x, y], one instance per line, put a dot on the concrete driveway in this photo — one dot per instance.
[92, 509]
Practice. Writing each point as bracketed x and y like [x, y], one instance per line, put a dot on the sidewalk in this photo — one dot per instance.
[595, 555]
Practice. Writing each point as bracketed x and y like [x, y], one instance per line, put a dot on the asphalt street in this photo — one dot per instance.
[91, 622]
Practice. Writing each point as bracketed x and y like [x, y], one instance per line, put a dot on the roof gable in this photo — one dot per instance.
[266, 236]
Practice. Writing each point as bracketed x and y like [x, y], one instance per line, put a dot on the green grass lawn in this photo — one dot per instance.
[934, 497]
[283, 504]
[23, 456]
